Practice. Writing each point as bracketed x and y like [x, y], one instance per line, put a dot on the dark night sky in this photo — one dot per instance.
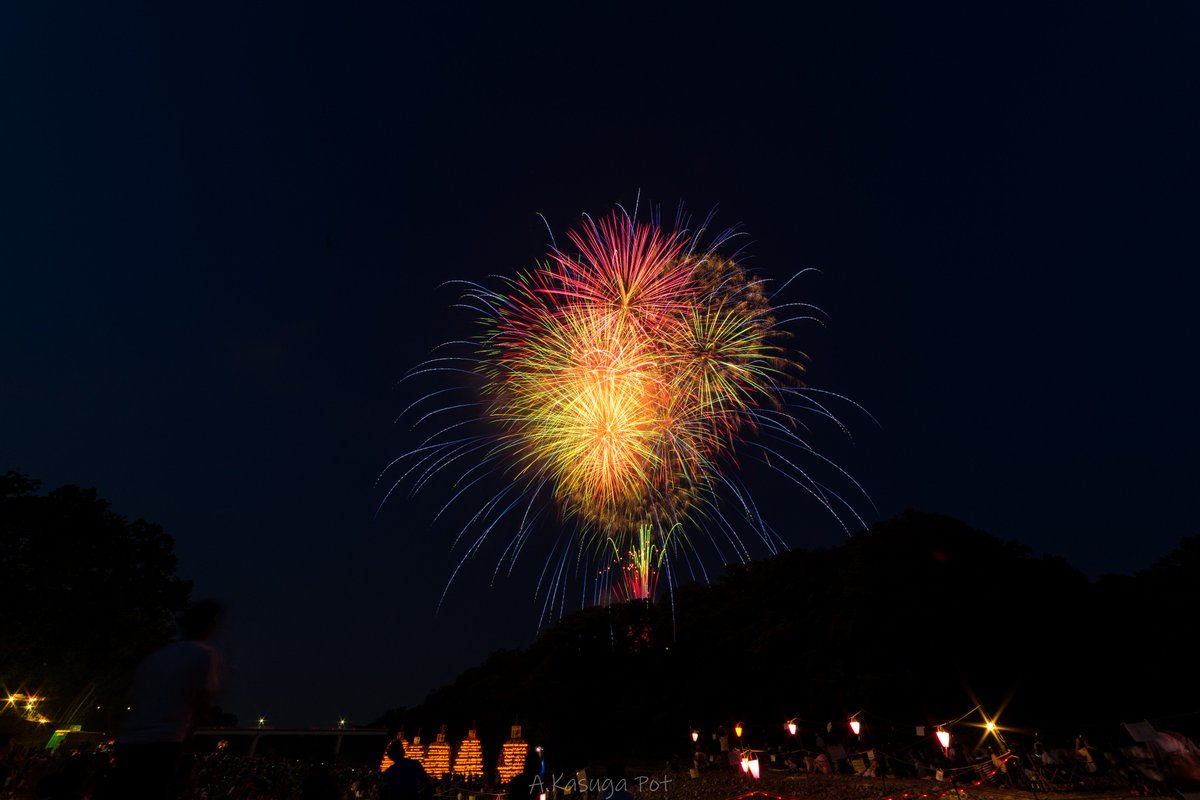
[224, 229]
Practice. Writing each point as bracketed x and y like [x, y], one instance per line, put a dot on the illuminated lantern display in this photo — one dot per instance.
[753, 768]
[943, 738]
[437, 758]
[415, 750]
[469, 762]
[855, 726]
[512, 756]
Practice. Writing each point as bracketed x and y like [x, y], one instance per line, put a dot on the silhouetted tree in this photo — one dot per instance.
[916, 620]
[84, 594]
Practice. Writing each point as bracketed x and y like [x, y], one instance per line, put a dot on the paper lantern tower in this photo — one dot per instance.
[512, 756]
[415, 750]
[469, 762]
[437, 758]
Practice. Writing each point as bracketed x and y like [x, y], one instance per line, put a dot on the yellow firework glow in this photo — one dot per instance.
[622, 374]
[619, 378]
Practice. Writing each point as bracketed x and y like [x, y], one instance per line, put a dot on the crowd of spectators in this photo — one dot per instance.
[1074, 763]
[34, 773]
[38, 774]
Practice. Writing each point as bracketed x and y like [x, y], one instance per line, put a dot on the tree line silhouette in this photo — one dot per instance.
[914, 621]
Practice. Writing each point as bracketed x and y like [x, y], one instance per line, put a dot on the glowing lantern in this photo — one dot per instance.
[512, 756]
[695, 736]
[737, 730]
[415, 750]
[746, 764]
[753, 766]
[944, 738]
[791, 728]
[469, 761]
[855, 726]
[437, 758]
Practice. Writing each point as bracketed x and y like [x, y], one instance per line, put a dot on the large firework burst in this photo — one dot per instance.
[619, 379]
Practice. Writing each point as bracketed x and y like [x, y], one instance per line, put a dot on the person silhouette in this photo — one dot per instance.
[405, 779]
[528, 784]
[171, 688]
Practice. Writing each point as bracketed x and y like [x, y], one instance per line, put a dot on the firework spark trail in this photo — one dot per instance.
[619, 379]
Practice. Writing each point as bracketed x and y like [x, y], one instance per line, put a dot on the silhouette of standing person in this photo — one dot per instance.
[171, 688]
[405, 779]
[528, 783]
